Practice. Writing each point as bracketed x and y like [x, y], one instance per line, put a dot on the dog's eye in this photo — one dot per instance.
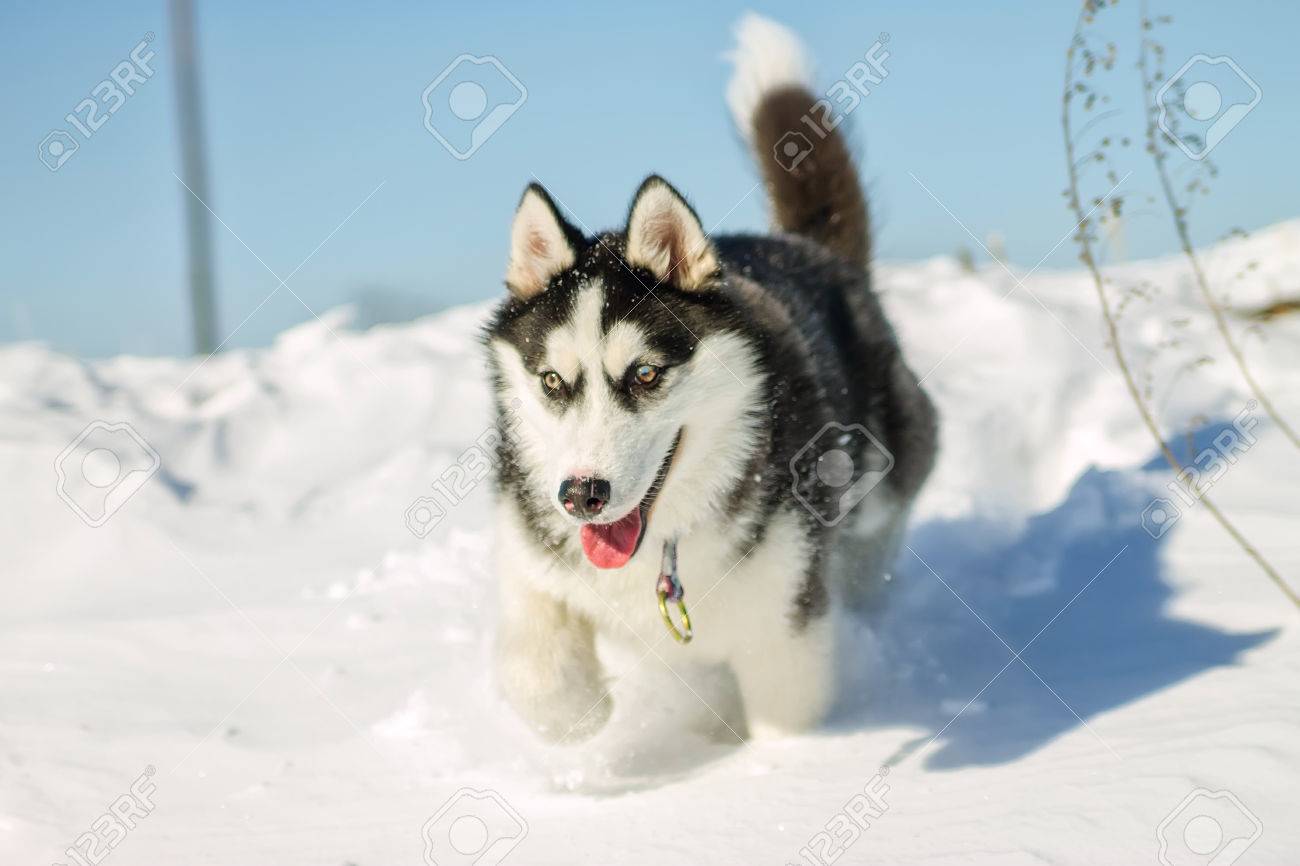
[646, 374]
[551, 381]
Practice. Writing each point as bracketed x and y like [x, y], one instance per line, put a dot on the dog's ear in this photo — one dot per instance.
[665, 237]
[542, 244]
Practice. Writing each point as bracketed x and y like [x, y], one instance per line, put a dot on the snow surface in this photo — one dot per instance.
[308, 679]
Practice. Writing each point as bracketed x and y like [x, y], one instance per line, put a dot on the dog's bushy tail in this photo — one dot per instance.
[811, 180]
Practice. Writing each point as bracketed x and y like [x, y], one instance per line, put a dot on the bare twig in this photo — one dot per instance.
[1275, 310]
[1179, 213]
[1084, 239]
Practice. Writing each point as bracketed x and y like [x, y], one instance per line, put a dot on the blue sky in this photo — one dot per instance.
[312, 108]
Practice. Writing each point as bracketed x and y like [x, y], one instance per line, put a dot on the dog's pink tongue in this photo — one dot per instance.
[611, 545]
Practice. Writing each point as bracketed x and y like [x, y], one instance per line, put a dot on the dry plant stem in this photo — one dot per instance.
[1185, 241]
[1268, 312]
[1112, 328]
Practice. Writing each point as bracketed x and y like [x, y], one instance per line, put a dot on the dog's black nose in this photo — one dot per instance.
[584, 497]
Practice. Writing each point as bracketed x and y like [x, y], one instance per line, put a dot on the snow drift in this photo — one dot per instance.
[299, 652]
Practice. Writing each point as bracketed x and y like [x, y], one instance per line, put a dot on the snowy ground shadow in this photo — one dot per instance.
[1114, 643]
[1081, 585]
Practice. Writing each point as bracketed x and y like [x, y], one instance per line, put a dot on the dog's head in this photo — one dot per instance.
[635, 383]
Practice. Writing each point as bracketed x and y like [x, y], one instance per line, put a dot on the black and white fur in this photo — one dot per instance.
[761, 341]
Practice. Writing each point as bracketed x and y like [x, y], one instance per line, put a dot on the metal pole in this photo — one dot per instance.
[198, 225]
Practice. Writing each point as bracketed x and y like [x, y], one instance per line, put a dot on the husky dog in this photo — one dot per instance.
[727, 399]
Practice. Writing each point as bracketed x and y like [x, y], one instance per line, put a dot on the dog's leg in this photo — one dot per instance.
[547, 665]
[787, 677]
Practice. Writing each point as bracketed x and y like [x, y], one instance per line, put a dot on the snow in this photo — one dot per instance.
[308, 679]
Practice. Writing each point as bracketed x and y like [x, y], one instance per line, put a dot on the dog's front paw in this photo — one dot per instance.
[566, 720]
[564, 700]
